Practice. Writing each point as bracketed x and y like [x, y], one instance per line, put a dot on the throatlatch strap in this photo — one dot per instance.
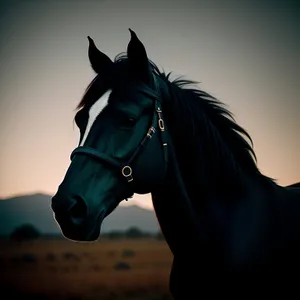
[162, 128]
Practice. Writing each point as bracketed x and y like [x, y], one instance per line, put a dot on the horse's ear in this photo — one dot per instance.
[99, 61]
[137, 57]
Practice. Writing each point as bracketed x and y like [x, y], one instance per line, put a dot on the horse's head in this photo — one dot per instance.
[122, 148]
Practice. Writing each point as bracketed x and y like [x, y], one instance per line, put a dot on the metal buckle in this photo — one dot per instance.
[161, 123]
[150, 132]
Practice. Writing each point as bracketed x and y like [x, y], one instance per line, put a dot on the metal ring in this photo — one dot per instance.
[124, 170]
[161, 124]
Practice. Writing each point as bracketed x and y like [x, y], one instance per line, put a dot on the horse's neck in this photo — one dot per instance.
[184, 208]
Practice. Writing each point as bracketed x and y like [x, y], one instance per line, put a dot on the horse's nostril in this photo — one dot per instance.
[78, 211]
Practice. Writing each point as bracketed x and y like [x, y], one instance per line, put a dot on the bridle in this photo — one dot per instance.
[157, 123]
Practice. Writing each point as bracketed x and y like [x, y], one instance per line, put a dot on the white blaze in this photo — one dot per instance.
[94, 111]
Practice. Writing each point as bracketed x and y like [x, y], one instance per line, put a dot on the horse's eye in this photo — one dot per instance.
[129, 122]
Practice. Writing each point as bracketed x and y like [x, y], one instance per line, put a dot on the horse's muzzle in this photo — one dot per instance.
[73, 219]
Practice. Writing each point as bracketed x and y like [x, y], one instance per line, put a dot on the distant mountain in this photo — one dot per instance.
[36, 209]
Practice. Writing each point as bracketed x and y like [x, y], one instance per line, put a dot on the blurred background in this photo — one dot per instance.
[246, 53]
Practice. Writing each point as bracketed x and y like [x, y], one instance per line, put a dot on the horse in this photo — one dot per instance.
[230, 228]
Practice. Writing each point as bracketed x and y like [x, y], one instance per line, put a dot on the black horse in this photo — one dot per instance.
[232, 230]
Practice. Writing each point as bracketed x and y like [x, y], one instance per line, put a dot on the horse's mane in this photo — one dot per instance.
[209, 124]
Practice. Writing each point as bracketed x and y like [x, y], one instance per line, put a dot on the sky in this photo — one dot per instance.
[246, 53]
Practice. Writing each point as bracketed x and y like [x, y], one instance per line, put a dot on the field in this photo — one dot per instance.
[108, 269]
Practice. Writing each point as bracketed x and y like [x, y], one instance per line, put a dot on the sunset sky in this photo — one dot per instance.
[246, 53]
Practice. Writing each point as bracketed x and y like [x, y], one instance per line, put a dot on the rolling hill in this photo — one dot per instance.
[35, 209]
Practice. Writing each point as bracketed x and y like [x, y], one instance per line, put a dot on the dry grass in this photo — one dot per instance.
[62, 269]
